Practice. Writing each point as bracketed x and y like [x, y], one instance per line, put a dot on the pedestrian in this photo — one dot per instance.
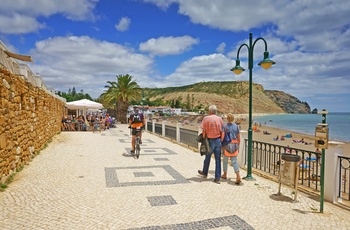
[212, 128]
[233, 129]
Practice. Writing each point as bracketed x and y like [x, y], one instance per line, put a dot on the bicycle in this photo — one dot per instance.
[137, 147]
[137, 143]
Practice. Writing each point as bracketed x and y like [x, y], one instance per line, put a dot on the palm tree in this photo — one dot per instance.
[122, 91]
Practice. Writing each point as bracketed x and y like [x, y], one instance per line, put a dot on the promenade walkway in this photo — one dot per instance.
[85, 180]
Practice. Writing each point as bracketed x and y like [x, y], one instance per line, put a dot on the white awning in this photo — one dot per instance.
[84, 104]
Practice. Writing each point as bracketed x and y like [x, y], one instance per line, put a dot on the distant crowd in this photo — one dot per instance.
[96, 122]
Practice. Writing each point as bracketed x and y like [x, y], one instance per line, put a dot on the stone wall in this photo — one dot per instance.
[29, 119]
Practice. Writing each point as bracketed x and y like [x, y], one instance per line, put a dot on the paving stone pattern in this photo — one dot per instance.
[143, 174]
[86, 180]
[113, 181]
[233, 222]
[161, 200]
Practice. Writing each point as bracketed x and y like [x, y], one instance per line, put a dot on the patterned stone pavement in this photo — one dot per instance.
[86, 180]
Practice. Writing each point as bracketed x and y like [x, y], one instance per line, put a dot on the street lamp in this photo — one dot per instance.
[266, 64]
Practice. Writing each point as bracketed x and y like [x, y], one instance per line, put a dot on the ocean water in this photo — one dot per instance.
[338, 123]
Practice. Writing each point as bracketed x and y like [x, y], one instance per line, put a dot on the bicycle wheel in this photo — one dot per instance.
[137, 147]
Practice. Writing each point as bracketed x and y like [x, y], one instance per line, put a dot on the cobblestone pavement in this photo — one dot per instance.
[86, 180]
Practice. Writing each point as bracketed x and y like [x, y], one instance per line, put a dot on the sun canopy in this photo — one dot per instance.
[19, 56]
[84, 104]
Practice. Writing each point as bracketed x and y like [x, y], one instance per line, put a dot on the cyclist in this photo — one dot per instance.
[136, 121]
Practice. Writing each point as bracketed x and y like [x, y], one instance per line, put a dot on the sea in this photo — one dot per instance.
[338, 123]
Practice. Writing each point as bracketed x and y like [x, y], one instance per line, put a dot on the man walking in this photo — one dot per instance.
[213, 128]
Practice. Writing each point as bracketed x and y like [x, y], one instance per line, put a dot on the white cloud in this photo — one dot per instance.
[168, 45]
[314, 25]
[213, 67]
[19, 17]
[229, 15]
[19, 24]
[85, 63]
[163, 4]
[123, 24]
[221, 48]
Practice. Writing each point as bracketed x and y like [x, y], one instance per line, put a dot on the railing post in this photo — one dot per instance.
[178, 126]
[242, 153]
[331, 182]
[163, 128]
[153, 126]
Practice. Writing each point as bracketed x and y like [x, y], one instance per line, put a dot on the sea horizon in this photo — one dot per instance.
[338, 123]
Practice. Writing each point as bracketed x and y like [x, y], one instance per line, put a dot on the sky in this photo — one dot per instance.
[164, 43]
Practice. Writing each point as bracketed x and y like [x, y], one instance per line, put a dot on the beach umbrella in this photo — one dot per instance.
[84, 105]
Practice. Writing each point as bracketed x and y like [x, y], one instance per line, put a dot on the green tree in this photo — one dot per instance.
[122, 92]
[178, 102]
[188, 103]
[74, 92]
[73, 96]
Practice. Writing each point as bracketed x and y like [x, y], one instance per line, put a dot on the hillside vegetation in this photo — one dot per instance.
[230, 96]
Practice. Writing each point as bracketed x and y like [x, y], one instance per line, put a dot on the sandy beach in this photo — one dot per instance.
[259, 136]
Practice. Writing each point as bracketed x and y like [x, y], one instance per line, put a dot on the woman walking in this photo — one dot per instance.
[233, 129]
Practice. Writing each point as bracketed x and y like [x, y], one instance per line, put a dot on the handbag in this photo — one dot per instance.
[204, 148]
[231, 149]
[200, 138]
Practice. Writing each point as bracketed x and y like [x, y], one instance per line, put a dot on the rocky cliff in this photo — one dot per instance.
[287, 102]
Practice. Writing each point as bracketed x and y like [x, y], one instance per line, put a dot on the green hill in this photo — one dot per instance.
[229, 96]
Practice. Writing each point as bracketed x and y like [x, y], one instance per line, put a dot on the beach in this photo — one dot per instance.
[274, 132]
[259, 136]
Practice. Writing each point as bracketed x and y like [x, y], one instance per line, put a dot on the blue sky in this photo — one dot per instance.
[162, 43]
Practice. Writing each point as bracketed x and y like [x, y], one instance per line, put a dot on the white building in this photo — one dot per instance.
[8, 60]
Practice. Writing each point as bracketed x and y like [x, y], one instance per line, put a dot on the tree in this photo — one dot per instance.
[178, 102]
[73, 96]
[122, 92]
[74, 92]
[188, 103]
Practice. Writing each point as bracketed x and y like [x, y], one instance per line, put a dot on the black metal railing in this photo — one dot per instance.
[189, 137]
[149, 126]
[344, 176]
[170, 132]
[158, 129]
[266, 157]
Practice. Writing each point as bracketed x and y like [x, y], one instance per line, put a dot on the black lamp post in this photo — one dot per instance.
[266, 64]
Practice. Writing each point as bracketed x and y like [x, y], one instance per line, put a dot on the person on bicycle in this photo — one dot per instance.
[136, 121]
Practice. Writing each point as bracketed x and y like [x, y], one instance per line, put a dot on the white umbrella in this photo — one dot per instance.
[83, 104]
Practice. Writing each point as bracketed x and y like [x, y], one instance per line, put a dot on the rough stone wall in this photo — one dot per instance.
[29, 118]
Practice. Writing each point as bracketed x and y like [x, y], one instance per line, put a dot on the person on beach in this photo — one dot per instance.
[136, 120]
[233, 129]
[213, 128]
